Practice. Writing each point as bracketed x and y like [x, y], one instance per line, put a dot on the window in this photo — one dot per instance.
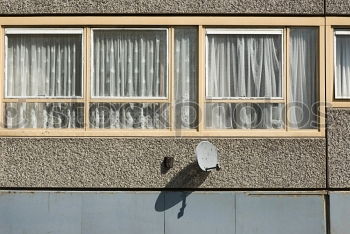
[163, 76]
[338, 38]
[129, 64]
[247, 65]
[44, 73]
[244, 64]
[342, 61]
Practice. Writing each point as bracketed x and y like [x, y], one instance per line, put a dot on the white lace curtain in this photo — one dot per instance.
[130, 63]
[244, 66]
[303, 104]
[185, 72]
[44, 65]
[342, 66]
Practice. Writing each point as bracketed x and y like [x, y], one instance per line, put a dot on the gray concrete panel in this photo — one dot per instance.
[35, 212]
[200, 212]
[276, 214]
[79, 212]
[339, 212]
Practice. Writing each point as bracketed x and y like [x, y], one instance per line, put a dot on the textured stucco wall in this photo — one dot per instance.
[338, 7]
[18, 7]
[136, 163]
[338, 134]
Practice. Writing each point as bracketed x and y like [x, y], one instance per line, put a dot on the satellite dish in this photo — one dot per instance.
[207, 156]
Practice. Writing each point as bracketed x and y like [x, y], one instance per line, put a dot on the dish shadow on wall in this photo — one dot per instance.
[190, 177]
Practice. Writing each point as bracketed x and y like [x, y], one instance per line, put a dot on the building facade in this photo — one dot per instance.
[277, 176]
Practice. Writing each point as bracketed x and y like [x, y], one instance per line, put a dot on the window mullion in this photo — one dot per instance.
[87, 76]
[245, 101]
[321, 84]
[128, 100]
[45, 100]
[171, 82]
[286, 77]
[201, 77]
[2, 78]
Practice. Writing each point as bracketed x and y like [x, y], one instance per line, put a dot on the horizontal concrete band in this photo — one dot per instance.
[256, 7]
[294, 7]
[137, 163]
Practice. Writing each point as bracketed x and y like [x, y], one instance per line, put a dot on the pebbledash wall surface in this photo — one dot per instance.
[116, 162]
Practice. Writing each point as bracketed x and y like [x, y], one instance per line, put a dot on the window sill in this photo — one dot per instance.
[161, 133]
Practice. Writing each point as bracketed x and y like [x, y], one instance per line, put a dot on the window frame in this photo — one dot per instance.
[87, 23]
[338, 31]
[130, 99]
[44, 31]
[334, 24]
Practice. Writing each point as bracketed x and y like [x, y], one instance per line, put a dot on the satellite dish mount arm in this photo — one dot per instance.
[217, 167]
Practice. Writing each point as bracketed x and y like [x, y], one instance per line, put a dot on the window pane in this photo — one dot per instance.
[303, 74]
[44, 115]
[130, 63]
[244, 116]
[342, 65]
[244, 66]
[44, 65]
[129, 115]
[185, 72]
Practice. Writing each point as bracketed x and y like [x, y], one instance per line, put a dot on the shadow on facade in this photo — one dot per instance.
[189, 178]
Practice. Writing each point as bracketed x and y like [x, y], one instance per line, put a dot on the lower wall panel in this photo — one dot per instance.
[161, 212]
[137, 163]
[339, 212]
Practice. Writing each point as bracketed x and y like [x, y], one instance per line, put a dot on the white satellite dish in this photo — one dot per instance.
[207, 156]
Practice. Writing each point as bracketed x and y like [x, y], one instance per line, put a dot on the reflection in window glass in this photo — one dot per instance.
[129, 115]
[244, 116]
[44, 115]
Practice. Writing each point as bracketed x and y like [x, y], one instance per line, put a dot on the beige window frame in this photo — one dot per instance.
[332, 24]
[88, 23]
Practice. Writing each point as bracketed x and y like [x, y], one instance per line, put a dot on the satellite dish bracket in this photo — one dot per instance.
[217, 167]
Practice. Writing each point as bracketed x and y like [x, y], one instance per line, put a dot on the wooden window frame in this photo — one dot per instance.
[90, 22]
[333, 23]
